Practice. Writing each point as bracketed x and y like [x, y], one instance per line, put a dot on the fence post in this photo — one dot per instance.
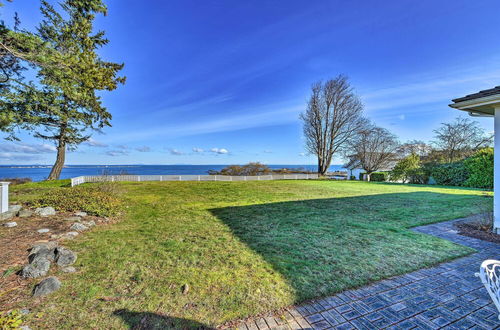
[4, 197]
[138, 178]
[244, 178]
[199, 177]
[180, 178]
[215, 177]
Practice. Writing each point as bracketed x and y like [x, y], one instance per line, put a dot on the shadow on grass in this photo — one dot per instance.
[152, 321]
[324, 246]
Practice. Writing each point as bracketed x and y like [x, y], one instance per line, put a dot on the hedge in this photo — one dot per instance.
[475, 171]
[480, 169]
[376, 176]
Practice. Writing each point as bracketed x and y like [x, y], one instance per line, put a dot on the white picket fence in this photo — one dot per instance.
[138, 178]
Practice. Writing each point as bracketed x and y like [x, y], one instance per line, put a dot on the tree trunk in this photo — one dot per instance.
[55, 173]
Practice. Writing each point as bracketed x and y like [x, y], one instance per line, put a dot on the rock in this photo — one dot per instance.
[78, 227]
[7, 215]
[77, 219]
[47, 286]
[40, 246]
[15, 209]
[81, 214]
[69, 269]
[24, 327]
[44, 251]
[37, 268]
[24, 311]
[185, 288]
[64, 257]
[25, 213]
[43, 230]
[90, 223]
[69, 235]
[10, 224]
[45, 211]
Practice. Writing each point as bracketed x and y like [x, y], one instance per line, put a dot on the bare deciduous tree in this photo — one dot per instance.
[460, 139]
[419, 148]
[373, 148]
[333, 115]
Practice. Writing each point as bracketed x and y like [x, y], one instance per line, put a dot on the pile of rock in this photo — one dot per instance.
[18, 211]
[41, 257]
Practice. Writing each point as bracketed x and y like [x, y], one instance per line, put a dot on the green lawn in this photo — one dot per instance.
[248, 247]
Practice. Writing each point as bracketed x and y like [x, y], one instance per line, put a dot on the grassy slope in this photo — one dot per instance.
[245, 248]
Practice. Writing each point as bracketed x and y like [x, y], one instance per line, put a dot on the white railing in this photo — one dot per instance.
[112, 178]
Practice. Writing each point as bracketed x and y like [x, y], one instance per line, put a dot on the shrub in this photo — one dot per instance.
[406, 168]
[96, 199]
[248, 169]
[480, 169]
[452, 174]
[379, 176]
[16, 181]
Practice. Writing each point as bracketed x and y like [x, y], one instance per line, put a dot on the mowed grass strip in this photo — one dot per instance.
[204, 253]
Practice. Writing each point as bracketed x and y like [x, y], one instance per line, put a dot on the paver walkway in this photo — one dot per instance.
[446, 296]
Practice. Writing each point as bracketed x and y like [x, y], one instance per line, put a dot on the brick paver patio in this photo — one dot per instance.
[446, 296]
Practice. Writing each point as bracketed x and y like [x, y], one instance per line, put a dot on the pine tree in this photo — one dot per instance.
[62, 105]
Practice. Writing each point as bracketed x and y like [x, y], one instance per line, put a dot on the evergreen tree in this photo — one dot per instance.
[62, 105]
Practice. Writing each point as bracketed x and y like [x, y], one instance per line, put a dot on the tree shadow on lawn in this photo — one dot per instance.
[151, 321]
[324, 246]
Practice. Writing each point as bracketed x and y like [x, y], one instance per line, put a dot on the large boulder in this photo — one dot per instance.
[45, 211]
[37, 268]
[81, 214]
[64, 257]
[43, 230]
[43, 245]
[43, 251]
[47, 286]
[10, 224]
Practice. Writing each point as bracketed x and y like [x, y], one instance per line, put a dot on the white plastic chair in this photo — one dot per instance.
[489, 273]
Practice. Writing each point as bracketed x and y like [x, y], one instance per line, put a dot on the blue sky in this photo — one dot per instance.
[223, 82]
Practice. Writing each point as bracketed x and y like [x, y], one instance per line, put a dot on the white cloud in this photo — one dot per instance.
[221, 151]
[143, 149]
[198, 150]
[176, 152]
[302, 154]
[268, 151]
[402, 117]
[7, 156]
[28, 148]
[93, 143]
[117, 153]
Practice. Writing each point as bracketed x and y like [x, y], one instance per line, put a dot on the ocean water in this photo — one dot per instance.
[40, 172]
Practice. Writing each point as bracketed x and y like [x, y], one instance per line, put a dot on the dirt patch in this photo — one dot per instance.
[476, 231]
[17, 241]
